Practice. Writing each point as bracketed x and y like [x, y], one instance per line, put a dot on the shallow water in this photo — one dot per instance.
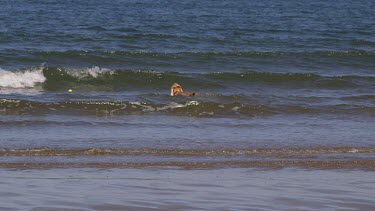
[170, 189]
[285, 90]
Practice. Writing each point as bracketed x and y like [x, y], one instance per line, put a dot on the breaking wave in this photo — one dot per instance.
[52, 79]
[186, 108]
[21, 79]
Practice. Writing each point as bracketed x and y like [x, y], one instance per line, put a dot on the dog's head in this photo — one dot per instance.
[175, 88]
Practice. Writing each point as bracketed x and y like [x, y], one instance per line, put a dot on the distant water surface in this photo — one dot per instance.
[280, 85]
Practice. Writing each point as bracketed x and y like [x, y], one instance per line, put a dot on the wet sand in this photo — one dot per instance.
[175, 189]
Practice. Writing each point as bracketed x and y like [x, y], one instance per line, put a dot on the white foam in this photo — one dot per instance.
[174, 105]
[21, 79]
[353, 150]
[235, 109]
[192, 103]
[93, 71]
[136, 103]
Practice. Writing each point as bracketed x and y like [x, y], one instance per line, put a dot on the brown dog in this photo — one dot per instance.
[176, 89]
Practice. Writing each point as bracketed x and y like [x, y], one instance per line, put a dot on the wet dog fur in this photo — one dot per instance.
[176, 90]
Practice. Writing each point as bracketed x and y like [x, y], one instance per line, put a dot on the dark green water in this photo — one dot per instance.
[280, 84]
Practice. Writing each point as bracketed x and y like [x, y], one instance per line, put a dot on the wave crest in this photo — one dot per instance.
[21, 79]
[95, 78]
[187, 108]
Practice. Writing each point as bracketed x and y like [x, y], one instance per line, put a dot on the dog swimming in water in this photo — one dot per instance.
[176, 90]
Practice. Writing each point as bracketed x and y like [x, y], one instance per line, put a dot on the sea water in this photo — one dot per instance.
[280, 85]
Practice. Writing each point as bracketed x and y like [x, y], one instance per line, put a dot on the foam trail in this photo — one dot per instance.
[93, 72]
[24, 79]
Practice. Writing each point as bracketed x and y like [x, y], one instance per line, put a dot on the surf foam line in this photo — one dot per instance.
[187, 108]
[21, 79]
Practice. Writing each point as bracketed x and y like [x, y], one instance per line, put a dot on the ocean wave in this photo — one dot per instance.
[193, 108]
[363, 42]
[54, 79]
[188, 108]
[140, 79]
[21, 79]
